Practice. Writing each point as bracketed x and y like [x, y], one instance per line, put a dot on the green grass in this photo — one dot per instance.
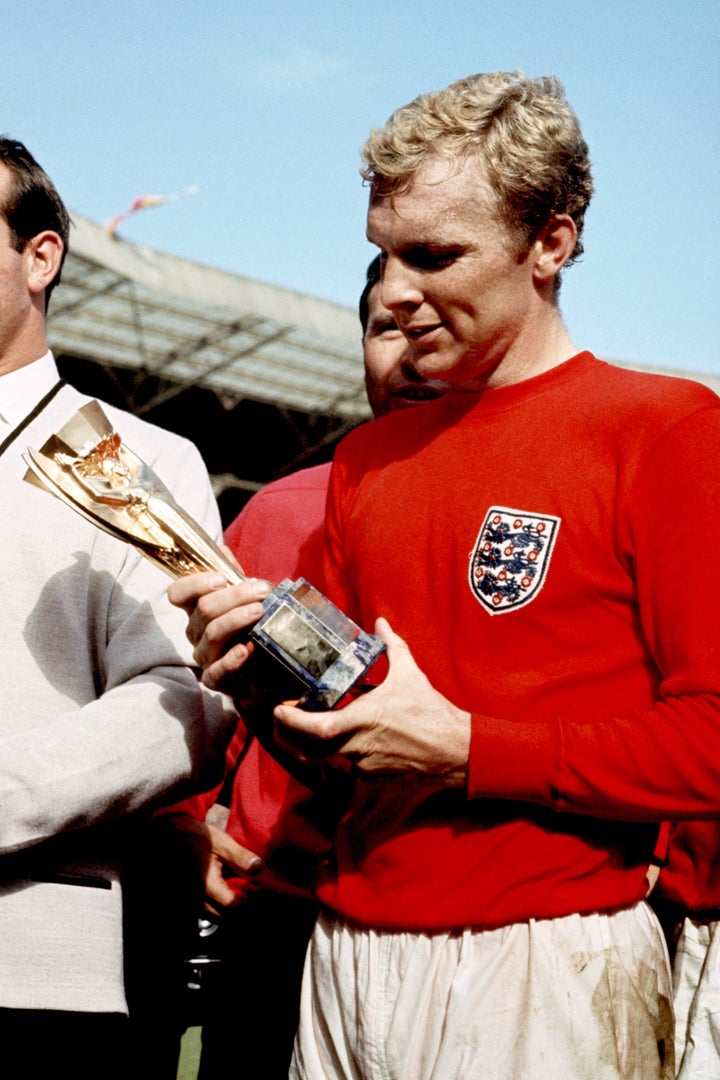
[189, 1054]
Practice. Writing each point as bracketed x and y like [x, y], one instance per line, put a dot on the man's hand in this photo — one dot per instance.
[213, 851]
[404, 727]
[217, 614]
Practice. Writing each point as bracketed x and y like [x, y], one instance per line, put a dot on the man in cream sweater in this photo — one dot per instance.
[102, 713]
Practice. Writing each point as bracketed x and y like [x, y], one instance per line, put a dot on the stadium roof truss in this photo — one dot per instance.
[179, 325]
[191, 325]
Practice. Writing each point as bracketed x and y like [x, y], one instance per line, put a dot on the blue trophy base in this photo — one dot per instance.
[324, 653]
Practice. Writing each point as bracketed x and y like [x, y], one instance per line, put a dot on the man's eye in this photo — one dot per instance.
[386, 331]
[427, 259]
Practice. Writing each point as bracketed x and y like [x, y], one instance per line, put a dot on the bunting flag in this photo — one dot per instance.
[143, 202]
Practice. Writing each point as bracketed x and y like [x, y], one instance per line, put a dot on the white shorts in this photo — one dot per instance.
[696, 984]
[585, 997]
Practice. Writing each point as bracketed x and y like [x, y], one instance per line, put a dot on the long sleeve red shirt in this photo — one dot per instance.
[547, 550]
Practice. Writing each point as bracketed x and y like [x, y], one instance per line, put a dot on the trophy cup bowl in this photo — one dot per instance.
[306, 648]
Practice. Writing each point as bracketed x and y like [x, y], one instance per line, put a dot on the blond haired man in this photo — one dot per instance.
[551, 693]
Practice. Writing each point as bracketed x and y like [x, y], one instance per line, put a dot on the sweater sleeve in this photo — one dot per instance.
[662, 762]
[132, 725]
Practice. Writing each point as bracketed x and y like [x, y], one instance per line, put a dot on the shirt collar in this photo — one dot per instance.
[20, 390]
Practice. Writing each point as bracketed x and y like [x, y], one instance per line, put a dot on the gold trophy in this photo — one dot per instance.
[314, 651]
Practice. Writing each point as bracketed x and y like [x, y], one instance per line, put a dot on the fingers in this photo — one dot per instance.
[228, 859]
[220, 613]
[217, 891]
[233, 855]
[186, 591]
[385, 632]
[221, 674]
[211, 592]
[217, 613]
[311, 736]
[213, 626]
[216, 855]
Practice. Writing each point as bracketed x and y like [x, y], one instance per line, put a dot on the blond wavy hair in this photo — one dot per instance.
[527, 135]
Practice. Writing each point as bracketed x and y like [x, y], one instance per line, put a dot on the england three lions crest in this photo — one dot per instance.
[511, 558]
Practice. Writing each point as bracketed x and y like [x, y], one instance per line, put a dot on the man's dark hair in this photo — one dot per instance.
[372, 277]
[32, 204]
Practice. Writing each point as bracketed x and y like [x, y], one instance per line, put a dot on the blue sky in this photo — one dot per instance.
[263, 107]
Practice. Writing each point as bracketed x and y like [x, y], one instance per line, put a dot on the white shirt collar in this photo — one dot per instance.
[20, 390]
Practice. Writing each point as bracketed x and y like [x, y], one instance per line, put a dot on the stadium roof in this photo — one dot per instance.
[191, 325]
[263, 379]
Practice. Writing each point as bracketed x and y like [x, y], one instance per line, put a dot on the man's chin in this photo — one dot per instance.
[434, 367]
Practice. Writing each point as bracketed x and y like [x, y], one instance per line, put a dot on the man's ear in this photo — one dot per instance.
[554, 246]
[44, 254]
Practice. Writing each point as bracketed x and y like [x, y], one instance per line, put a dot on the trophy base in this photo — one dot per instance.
[318, 653]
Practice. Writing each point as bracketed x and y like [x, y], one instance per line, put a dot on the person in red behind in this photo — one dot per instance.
[258, 870]
[530, 547]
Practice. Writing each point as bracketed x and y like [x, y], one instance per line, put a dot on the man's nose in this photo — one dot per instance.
[399, 285]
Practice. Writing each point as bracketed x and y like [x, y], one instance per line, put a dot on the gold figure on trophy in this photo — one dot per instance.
[87, 466]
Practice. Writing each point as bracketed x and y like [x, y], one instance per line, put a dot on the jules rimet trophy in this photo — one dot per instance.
[305, 647]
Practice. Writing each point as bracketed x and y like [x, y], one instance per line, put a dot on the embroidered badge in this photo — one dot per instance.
[511, 557]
